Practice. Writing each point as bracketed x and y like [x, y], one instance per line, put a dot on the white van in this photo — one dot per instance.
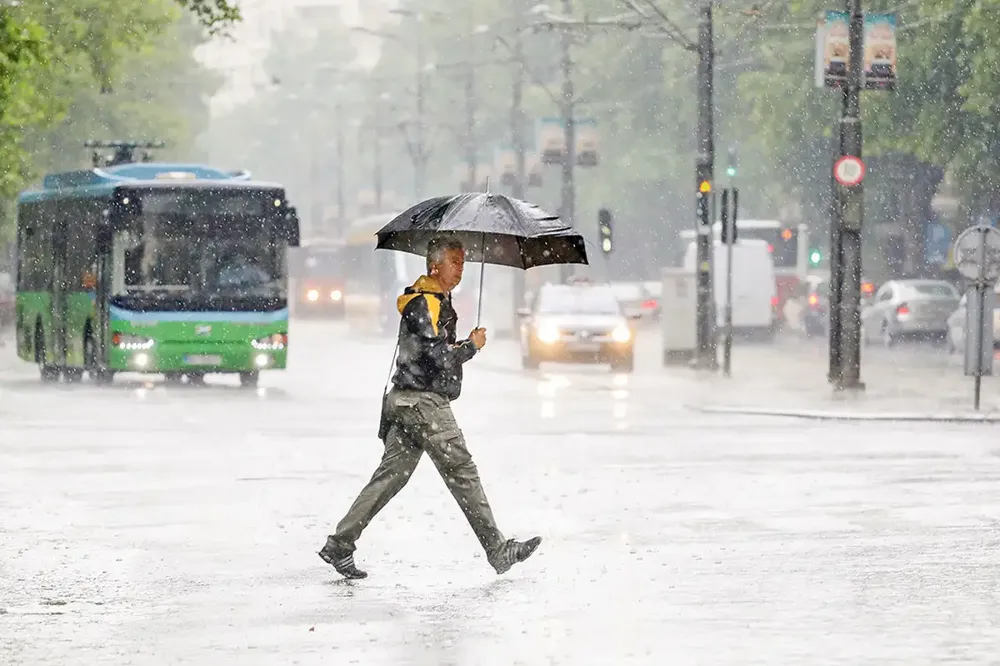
[754, 288]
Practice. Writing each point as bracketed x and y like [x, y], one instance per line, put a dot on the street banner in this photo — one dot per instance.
[880, 52]
[533, 165]
[587, 139]
[505, 164]
[551, 139]
[832, 34]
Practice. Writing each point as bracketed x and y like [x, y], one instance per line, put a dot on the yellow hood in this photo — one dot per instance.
[423, 285]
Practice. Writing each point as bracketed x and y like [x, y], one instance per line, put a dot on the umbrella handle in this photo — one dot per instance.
[482, 272]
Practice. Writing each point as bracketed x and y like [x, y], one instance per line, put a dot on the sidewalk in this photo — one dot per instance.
[790, 380]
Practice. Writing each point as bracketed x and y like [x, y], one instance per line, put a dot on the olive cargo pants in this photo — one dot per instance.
[422, 422]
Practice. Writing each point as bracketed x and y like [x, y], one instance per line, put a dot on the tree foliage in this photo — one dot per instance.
[640, 85]
[216, 15]
[80, 69]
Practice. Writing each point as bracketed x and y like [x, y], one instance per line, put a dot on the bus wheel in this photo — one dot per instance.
[47, 372]
[249, 379]
[97, 374]
[72, 375]
[173, 377]
[196, 379]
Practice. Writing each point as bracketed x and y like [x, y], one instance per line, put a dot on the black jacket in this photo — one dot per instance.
[430, 358]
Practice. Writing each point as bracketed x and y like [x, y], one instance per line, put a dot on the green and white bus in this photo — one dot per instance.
[173, 269]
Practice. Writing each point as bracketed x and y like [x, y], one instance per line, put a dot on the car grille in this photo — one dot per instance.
[586, 332]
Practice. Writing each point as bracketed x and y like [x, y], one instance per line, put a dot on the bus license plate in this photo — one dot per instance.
[203, 359]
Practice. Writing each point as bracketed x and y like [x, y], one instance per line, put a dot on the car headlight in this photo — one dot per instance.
[547, 333]
[621, 334]
[312, 295]
[271, 342]
[131, 342]
[336, 295]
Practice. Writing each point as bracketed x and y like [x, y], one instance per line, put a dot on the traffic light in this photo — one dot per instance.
[604, 228]
[815, 256]
[732, 164]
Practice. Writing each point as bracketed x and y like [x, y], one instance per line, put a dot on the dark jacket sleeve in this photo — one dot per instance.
[421, 317]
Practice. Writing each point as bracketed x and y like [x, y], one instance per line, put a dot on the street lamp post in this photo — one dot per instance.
[568, 199]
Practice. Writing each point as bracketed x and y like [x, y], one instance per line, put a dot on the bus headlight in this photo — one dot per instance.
[131, 342]
[547, 333]
[262, 360]
[335, 295]
[312, 295]
[271, 342]
[621, 334]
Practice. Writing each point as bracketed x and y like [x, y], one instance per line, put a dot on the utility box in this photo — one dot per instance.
[678, 323]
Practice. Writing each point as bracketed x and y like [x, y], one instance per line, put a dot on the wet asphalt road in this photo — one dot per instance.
[141, 524]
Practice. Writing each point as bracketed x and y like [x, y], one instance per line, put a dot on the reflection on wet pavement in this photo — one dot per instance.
[148, 524]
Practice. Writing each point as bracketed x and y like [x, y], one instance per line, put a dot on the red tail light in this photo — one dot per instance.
[903, 309]
[649, 305]
[770, 248]
[774, 301]
[867, 288]
[813, 300]
[116, 339]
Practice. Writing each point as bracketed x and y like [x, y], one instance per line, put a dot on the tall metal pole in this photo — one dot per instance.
[471, 156]
[729, 223]
[420, 152]
[341, 213]
[850, 214]
[517, 131]
[705, 354]
[377, 145]
[568, 206]
[836, 271]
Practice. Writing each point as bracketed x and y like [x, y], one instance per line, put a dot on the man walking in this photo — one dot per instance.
[418, 411]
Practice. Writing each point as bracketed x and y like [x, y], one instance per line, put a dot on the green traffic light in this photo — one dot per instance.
[731, 171]
[814, 257]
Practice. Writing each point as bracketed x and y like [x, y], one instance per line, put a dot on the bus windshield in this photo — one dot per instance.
[197, 245]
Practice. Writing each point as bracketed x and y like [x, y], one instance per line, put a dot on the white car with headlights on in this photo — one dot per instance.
[576, 323]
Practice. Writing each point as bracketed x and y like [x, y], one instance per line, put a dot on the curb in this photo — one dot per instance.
[822, 415]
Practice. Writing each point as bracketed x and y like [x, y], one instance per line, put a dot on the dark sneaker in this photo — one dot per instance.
[513, 552]
[341, 559]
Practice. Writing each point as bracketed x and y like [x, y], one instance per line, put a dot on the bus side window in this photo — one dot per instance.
[22, 234]
[35, 254]
[80, 253]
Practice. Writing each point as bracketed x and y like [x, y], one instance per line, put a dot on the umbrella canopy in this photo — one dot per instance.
[494, 229]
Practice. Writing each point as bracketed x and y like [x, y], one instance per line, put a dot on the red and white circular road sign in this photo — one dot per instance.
[849, 170]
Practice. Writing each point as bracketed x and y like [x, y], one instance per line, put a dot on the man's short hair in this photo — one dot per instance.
[437, 247]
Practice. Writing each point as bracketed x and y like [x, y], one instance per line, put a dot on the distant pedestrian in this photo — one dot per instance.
[417, 418]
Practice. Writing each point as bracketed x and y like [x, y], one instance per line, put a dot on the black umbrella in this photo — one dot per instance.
[495, 229]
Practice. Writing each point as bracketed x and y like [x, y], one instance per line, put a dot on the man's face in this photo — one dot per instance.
[448, 271]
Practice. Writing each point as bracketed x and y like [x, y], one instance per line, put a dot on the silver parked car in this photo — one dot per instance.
[909, 308]
[635, 299]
